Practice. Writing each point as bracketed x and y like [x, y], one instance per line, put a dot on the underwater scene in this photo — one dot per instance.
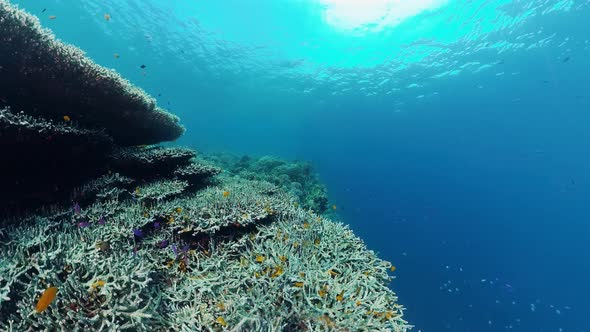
[295, 165]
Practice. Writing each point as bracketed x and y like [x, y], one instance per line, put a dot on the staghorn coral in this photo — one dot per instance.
[297, 177]
[194, 262]
[196, 172]
[150, 162]
[45, 77]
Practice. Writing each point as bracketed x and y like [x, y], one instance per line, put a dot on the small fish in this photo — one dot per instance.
[83, 224]
[116, 55]
[101, 220]
[67, 118]
[566, 59]
[46, 298]
[52, 17]
[142, 66]
[221, 321]
[174, 250]
[392, 268]
[157, 225]
[178, 210]
[44, 9]
[163, 244]
[107, 17]
[99, 283]
[186, 248]
[103, 246]
[138, 233]
[76, 208]
[334, 207]
[137, 191]
[225, 193]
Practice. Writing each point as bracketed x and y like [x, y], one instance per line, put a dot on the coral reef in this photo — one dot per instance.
[61, 81]
[99, 235]
[237, 256]
[297, 177]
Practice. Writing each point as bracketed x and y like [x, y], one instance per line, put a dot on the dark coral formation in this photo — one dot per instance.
[42, 161]
[61, 115]
[296, 177]
[42, 76]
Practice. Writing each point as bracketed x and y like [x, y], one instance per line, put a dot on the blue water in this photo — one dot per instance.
[455, 143]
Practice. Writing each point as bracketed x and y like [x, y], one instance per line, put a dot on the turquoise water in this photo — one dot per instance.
[452, 135]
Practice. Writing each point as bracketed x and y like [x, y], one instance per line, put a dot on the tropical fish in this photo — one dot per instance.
[163, 244]
[334, 207]
[138, 233]
[101, 220]
[107, 17]
[221, 321]
[67, 118]
[157, 225]
[116, 55]
[46, 298]
[174, 250]
[98, 283]
[142, 66]
[225, 193]
[52, 17]
[83, 224]
[76, 208]
[103, 246]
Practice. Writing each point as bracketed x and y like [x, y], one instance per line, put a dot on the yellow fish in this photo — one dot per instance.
[67, 118]
[334, 207]
[46, 299]
[98, 283]
[225, 193]
[107, 17]
[221, 321]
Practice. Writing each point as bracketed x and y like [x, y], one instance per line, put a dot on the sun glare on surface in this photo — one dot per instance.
[374, 15]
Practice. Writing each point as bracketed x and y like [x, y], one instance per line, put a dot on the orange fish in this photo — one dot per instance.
[107, 17]
[392, 268]
[52, 17]
[225, 193]
[67, 118]
[46, 299]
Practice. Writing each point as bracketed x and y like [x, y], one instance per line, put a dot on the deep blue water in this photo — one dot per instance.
[456, 144]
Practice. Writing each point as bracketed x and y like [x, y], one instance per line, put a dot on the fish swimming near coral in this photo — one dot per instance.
[46, 298]
[83, 224]
[76, 208]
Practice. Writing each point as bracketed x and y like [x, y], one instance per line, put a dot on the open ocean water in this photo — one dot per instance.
[453, 136]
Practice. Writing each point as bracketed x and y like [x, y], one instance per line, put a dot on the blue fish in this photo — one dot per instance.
[101, 221]
[163, 244]
[138, 232]
[157, 225]
[174, 250]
